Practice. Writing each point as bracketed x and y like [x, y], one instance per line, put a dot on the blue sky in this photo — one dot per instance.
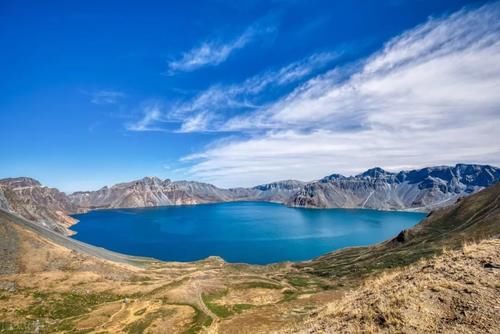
[241, 93]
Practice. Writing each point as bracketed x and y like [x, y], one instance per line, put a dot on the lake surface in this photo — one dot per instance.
[251, 232]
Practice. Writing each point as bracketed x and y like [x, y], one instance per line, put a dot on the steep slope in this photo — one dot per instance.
[421, 189]
[473, 218]
[279, 191]
[55, 284]
[10, 222]
[47, 206]
[50, 283]
[456, 292]
[150, 191]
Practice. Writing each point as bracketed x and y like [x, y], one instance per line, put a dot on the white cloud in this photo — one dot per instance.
[106, 97]
[198, 122]
[151, 116]
[430, 96]
[308, 156]
[208, 111]
[213, 104]
[212, 53]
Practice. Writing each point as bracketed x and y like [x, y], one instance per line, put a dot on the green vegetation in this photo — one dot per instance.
[308, 282]
[65, 325]
[219, 310]
[238, 308]
[31, 326]
[225, 311]
[170, 285]
[254, 285]
[56, 306]
[138, 327]
[140, 312]
[289, 295]
[471, 219]
[300, 281]
[55, 311]
[18, 328]
[200, 320]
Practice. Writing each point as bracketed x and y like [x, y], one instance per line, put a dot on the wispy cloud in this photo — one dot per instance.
[151, 115]
[214, 52]
[218, 102]
[106, 97]
[198, 122]
[429, 96]
[209, 110]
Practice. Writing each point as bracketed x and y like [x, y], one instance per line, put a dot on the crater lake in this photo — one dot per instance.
[250, 232]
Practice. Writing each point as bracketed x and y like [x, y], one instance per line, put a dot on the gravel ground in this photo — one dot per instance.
[9, 240]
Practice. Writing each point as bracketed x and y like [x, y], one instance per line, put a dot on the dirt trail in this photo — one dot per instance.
[198, 291]
[111, 318]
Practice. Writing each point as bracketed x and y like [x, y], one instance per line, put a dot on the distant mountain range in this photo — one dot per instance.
[422, 189]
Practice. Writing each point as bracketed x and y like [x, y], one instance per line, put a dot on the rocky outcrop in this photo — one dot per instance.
[152, 191]
[148, 192]
[47, 206]
[425, 280]
[279, 192]
[443, 268]
[421, 189]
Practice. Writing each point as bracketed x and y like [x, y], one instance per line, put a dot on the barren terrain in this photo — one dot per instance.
[424, 280]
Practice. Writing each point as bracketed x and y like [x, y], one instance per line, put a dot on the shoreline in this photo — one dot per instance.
[329, 242]
[87, 210]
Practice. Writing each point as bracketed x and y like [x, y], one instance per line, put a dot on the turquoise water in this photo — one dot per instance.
[251, 232]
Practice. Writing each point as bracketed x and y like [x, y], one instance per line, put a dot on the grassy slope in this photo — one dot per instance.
[471, 219]
[51, 279]
[456, 292]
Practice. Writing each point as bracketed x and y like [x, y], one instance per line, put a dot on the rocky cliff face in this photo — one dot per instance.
[150, 191]
[47, 206]
[279, 191]
[421, 189]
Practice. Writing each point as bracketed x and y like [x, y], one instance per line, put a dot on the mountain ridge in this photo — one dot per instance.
[47, 206]
[440, 275]
[420, 189]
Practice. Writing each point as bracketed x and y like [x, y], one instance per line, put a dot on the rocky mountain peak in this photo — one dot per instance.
[478, 175]
[20, 182]
[332, 177]
[420, 189]
[374, 173]
[280, 185]
[150, 180]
